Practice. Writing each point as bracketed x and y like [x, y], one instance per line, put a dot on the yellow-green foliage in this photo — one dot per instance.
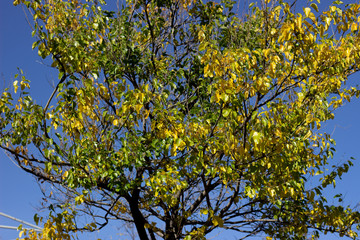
[184, 117]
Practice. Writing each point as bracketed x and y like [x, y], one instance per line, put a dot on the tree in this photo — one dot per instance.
[184, 117]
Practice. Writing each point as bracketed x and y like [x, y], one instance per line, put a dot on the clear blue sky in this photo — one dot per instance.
[20, 195]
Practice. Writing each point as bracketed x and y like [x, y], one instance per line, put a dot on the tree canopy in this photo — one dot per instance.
[183, 117]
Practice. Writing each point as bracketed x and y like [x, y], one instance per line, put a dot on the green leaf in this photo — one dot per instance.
[255, 136]
[226, 112]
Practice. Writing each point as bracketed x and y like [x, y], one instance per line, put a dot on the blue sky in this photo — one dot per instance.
[20, 194]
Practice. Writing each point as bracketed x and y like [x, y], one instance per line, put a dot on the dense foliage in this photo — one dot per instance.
[184, 117]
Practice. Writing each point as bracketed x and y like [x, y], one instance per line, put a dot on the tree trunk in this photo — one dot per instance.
[170, 233]
[139, 219]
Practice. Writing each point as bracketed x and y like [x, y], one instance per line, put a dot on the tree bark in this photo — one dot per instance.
[170, 233]
[139, 219]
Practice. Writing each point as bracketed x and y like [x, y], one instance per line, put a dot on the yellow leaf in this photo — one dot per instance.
[204, 211]
[273, 31]
[203, 45]
[354, 27]
[201, 35]
[79, 199]
[217, 221]
[348, 52]
[173, 151]
[322, 30]
[299, 22]
[219, 70]
[312, 17]
[66, 173]
[308, 134]
[272, 67]
[206, 70]
[310, 37]
[15, 86]
[307, 11]
[315, 7]
[123, 209]
[266, 52]
[217, 96]
[138, 108]
[23, 84]
[327, 21]
[256, 137]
